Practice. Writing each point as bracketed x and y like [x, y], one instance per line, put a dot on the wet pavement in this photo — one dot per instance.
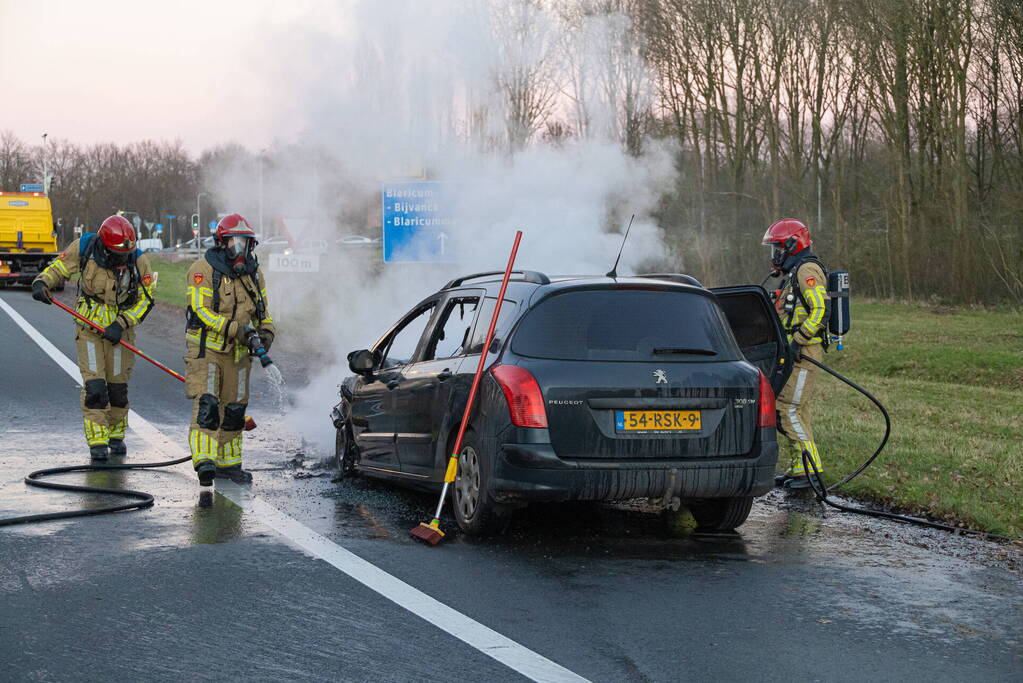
[199, 586]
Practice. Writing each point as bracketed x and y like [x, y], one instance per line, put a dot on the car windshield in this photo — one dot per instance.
[626, 325]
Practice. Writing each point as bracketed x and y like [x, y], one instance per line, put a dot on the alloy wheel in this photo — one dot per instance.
[467, 482]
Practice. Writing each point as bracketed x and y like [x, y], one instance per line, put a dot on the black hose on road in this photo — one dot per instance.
[822, 493]
[143, 500]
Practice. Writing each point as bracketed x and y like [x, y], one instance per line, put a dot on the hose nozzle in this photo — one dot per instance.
[255, 344]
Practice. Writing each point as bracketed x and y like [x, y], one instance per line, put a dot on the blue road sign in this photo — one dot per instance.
[31, 187]
[213, 225]
[417, 222]
[158, 227]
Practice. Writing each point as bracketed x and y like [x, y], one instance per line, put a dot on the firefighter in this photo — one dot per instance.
[116, 292]
[803, 306]
[227, 319]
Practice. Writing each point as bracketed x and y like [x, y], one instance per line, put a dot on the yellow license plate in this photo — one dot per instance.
[657, 420]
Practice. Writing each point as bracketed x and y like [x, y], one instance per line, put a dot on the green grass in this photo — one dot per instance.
[170, 285]
[953, 383]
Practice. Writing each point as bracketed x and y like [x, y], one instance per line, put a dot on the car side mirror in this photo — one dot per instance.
[363, 361]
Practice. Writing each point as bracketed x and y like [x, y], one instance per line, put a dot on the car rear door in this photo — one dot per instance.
[423, 398]
[757, 330]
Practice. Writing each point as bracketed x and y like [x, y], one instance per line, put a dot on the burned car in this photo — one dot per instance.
[595, 388]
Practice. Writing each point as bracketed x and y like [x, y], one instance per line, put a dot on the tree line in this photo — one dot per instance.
[893, 128]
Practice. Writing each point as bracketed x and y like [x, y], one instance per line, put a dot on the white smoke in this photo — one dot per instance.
[368, 92]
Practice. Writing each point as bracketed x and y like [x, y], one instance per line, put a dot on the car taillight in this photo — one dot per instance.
[766, 415]
[525, 401]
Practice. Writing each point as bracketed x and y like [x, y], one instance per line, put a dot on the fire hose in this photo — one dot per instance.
[821, 491]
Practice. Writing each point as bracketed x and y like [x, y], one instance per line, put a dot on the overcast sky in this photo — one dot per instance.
[120, 71]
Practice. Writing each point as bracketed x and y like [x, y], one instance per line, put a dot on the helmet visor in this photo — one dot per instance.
[238, 245]
[118, 258]
[778, 254]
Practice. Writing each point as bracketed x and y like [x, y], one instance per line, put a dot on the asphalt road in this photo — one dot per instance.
[199, 586]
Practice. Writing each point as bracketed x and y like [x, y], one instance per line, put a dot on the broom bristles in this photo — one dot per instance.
[426, 533]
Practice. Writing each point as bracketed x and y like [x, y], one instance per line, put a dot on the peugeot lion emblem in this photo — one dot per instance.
[661, 377]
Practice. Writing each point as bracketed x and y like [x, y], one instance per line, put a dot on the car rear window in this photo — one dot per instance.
[626, 325]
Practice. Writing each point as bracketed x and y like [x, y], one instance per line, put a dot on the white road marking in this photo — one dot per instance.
[491, 643]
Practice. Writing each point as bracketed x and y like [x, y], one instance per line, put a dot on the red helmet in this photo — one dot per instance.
[233, 224]
[780, 232]
[786, 237]
[117, 235]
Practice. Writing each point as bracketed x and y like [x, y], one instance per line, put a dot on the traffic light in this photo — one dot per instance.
[195, 221]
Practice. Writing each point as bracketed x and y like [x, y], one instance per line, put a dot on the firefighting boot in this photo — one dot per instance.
[206, 471]
[99, 452]
[117, 447]
[803, 483]
[235, 473]
[780, 479]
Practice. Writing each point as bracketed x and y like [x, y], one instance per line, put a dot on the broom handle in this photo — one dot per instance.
[99, 328]
[449, 474]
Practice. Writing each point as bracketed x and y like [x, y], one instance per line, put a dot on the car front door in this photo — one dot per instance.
[373, 409]
[757, 330]
[423, 399]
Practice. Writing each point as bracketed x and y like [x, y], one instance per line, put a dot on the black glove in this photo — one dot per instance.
[40, 292]
[797, 351]
[113, 332]
[267, 337]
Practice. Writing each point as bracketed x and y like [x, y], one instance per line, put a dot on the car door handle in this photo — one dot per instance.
[445, 374]
[393, 384]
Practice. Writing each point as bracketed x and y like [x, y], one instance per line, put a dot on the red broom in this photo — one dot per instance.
[431, 533]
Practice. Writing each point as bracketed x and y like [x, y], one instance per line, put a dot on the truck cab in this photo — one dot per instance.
[28, 242]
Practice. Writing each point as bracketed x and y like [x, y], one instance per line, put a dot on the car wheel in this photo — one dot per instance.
[475, 509]
[720, 514]
[344, 450]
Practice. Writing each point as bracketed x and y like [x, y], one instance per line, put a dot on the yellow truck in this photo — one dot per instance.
[27, 239]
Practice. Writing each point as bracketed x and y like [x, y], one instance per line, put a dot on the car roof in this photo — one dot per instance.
[522, 284]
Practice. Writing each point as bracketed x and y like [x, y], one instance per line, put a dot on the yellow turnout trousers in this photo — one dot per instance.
[218, 384]
[793, 404]
[106, 369]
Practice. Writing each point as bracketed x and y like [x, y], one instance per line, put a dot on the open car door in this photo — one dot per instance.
[757, 330]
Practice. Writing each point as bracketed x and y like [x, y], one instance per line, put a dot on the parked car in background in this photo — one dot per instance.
[150, 244]
[353, 241]
[596, 389]
[196, 243]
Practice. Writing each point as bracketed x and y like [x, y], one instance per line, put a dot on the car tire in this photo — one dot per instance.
[344, 453]
[476, 512]
[720, 514]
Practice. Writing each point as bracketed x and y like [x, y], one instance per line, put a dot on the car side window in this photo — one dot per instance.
[479, 334]
[402, 345]
[452, 334]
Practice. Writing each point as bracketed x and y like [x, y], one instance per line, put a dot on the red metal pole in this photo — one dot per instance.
[99, 328]
[486, 347]
[431, 532]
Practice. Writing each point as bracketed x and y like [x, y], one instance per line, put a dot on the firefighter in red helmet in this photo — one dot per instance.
[227, 309]
[803, 306]
[116, 292]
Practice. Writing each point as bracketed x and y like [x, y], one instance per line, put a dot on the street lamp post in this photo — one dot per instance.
[46, 185]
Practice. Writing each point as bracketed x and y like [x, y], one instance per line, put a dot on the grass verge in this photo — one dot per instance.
[953, 384]
[170, 285]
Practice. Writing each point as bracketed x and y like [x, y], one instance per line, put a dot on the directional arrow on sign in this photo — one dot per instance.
[442, 238]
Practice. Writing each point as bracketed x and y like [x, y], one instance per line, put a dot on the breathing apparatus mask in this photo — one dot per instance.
[238, 248]
[117, 259]
[781, 256]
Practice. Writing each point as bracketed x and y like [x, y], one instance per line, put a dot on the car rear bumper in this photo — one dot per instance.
[533, 472]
